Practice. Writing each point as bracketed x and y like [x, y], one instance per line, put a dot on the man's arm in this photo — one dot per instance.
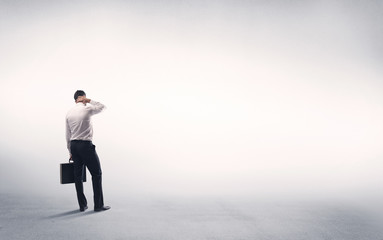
[68, 135]
[96, 107]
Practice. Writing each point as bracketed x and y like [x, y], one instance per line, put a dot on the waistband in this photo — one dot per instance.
[81, 141]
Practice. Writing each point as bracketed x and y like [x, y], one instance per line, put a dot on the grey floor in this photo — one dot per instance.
[185, 218]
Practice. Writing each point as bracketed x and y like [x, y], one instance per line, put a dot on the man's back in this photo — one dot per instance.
[78, 121]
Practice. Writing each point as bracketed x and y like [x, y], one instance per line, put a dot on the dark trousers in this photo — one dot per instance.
[84, 154]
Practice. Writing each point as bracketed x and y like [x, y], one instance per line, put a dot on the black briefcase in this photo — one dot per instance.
[67, 173]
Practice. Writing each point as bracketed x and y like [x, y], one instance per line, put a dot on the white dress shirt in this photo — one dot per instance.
[78, 121]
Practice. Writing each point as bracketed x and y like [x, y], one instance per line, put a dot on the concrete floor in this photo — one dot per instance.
[184, 218]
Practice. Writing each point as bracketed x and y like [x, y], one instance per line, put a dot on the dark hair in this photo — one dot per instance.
[79, 93]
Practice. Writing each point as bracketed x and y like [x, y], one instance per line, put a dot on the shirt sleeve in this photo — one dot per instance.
[97, 107]
[67, 135]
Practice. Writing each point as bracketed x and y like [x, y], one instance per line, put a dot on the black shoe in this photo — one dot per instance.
[104, 208]
[83, 208]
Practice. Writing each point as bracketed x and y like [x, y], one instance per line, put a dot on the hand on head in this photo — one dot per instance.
[83, 99]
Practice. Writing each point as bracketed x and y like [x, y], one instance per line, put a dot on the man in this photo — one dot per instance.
[79, 133]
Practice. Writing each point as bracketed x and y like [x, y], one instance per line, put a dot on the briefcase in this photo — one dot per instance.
[67, 173]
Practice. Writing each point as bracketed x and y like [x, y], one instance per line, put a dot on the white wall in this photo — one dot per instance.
[227, 97]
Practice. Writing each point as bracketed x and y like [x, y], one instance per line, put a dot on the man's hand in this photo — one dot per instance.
[83, 99]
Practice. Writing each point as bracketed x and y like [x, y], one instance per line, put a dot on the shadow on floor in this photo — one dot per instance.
[74, 213]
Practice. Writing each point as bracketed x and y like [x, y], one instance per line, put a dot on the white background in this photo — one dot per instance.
[203, 97]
